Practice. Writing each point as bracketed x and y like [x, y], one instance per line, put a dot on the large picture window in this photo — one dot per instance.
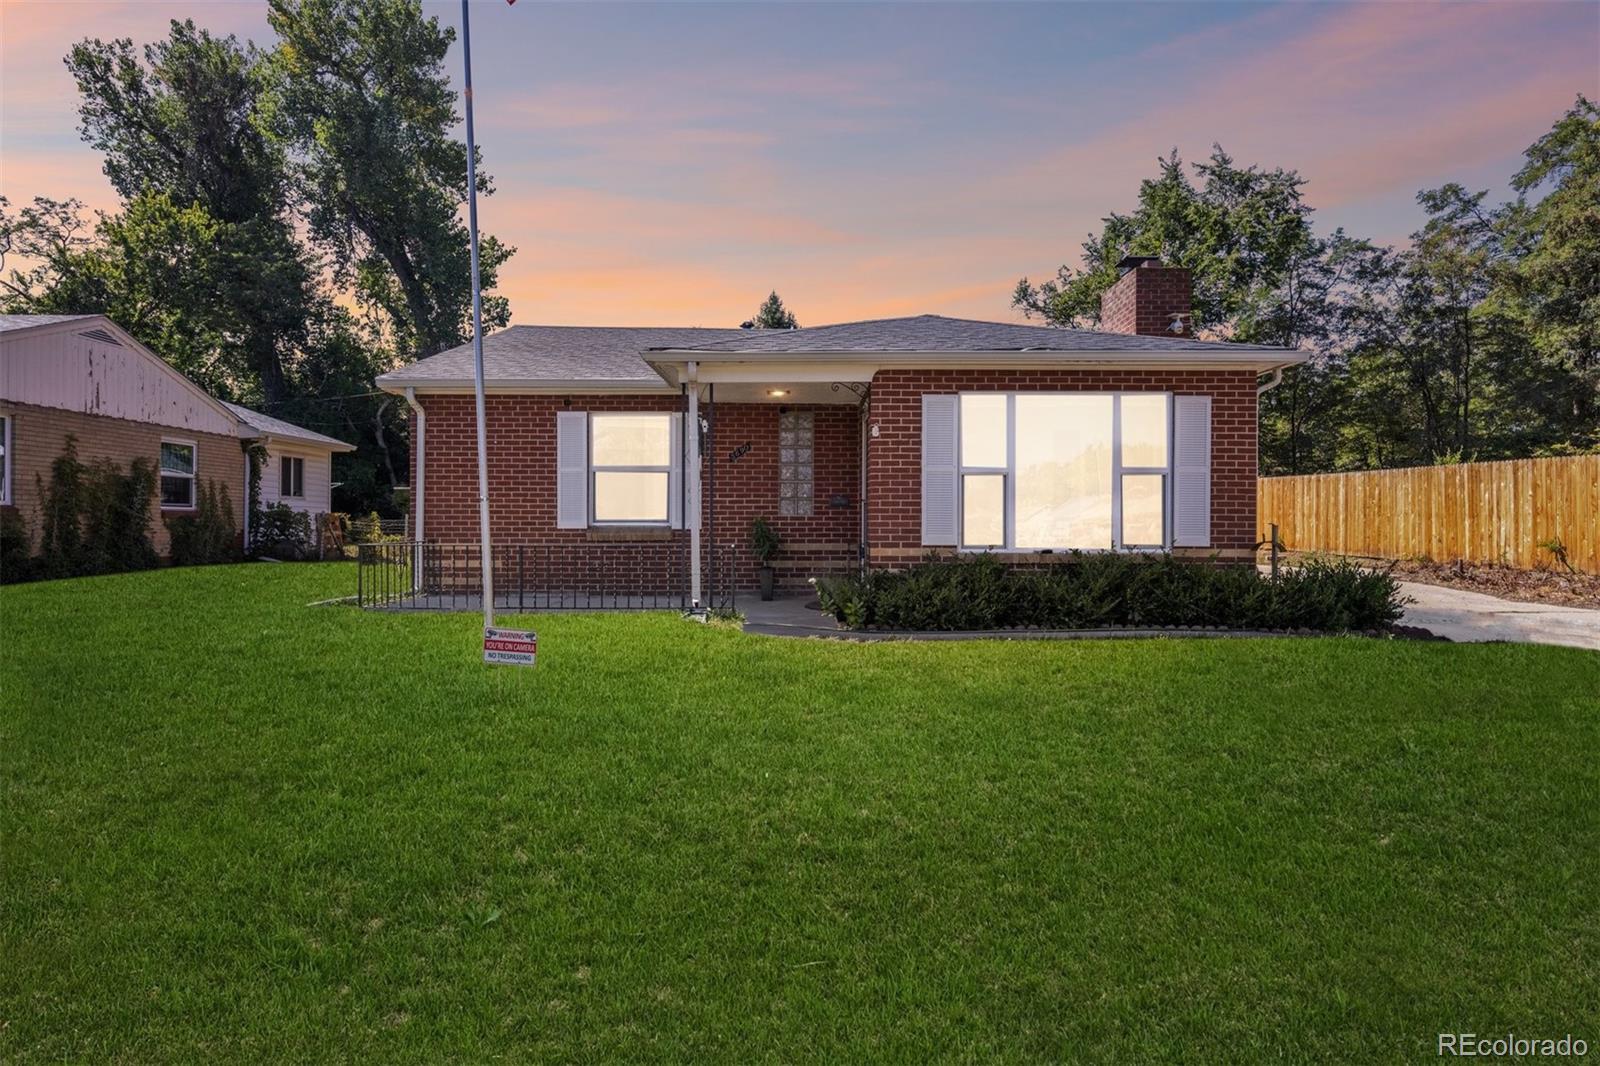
[630, 464]
[1059, 471]
[177, 474]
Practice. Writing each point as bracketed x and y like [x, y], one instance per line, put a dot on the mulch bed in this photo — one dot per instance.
[1527, 586]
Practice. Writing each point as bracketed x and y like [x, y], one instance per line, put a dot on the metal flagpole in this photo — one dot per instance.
[486, 560]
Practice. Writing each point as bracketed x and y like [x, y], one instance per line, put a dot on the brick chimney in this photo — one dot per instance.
[1148, 298]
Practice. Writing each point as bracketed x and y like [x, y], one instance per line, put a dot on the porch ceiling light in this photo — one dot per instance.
[777, 392]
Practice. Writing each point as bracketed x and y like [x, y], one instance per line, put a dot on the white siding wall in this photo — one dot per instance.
[62, 369]
[318, 479]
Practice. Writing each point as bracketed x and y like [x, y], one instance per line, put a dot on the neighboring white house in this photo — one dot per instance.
[299, 467]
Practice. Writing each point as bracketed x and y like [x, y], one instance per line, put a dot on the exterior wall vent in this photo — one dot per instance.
[98, 334]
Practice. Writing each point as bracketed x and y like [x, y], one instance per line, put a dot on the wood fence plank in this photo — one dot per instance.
[1498, 512]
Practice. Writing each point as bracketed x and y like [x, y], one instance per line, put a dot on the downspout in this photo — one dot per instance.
[416, 490]
[1272, 383]
[691, 480]
[863, 428]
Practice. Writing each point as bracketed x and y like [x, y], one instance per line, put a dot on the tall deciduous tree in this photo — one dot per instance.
[362, 96]
[183, 120]
[1243, 232]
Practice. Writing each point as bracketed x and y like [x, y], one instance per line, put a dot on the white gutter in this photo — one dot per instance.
[416, 490]
[1272, 383]
[691, 462]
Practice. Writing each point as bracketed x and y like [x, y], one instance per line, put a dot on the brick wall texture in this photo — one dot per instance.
[1144, 301]
[894, 457]
[522, 489]
[39, 434]
[522, 475]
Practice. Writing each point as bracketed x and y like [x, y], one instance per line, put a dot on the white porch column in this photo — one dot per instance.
[691, 481]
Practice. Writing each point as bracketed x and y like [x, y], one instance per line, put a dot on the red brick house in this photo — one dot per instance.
[865, 443]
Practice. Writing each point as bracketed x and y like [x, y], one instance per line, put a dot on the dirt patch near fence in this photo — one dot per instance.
[1508, 583]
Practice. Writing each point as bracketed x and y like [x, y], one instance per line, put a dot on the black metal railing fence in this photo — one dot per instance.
[407, 575]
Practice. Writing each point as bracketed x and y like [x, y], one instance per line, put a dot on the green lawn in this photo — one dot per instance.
[236, 827]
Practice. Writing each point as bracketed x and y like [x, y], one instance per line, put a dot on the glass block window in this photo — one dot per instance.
[796, 452]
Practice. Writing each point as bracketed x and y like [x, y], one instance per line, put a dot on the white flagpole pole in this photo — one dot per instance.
[486, 560]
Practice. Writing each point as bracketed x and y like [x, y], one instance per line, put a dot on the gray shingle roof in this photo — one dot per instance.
[614, 356]
[609, 354]
[277, 427]
[935, 333]
[11, 322]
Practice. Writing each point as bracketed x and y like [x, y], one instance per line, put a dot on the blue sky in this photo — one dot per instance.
[670, 163]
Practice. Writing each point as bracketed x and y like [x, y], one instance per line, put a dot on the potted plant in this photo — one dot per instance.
[764, 542]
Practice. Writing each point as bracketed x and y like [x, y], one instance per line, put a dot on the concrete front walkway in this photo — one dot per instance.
[1473, 616]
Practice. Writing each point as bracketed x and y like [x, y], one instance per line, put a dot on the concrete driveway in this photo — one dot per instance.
[1462, 615]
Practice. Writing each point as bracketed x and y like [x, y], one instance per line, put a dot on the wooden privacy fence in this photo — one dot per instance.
[1499, 512]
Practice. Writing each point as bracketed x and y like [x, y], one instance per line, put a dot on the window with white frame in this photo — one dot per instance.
[291, 477]
[630, 468]
[5, 458]
[177, 474]
[1043, 470]
[796, 450]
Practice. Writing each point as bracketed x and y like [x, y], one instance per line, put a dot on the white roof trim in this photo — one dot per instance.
[299, 442]
[854, 366]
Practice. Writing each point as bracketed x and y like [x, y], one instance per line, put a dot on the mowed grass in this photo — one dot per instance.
[240, 828]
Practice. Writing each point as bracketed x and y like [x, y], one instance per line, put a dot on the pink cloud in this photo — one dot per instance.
[1370, 99]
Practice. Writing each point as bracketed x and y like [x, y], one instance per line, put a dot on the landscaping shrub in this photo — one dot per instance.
[208, 534]
[16, 549]
[1091, 591]
[283, 533]
[95, 520]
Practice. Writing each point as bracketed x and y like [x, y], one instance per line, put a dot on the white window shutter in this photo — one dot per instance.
[1191, 470]
[675, 476]
[572, 470]
[939, 526]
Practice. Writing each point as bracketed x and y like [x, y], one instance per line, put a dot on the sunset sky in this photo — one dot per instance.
[669, 164]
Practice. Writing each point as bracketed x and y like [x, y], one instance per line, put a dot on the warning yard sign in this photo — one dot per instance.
[510, 647]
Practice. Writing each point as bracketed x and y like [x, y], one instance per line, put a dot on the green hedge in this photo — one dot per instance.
[1096, 591]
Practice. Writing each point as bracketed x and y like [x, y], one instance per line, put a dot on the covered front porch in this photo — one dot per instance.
[783, 450]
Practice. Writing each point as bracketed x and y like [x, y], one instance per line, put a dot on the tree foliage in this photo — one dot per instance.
[1479, 338]
[772, 315]
[289, 226]
[363, 99]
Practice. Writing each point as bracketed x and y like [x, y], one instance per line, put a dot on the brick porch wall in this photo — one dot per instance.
[38, 435]
[894, 458]
[522, 488]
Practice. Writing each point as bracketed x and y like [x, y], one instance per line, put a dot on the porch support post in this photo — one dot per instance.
[691, 481]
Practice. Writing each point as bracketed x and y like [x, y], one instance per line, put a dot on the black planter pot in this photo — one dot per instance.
[767, 577]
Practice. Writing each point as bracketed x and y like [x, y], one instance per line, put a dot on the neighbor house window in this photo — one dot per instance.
[5, 458]
[796, 440]
[291, 477]
[177, 474]
[1059, 471]
[630, 463]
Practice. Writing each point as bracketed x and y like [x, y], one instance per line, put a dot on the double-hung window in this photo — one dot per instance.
[630, 468]
[1060, 471]
[177, 474]
[291, 477]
